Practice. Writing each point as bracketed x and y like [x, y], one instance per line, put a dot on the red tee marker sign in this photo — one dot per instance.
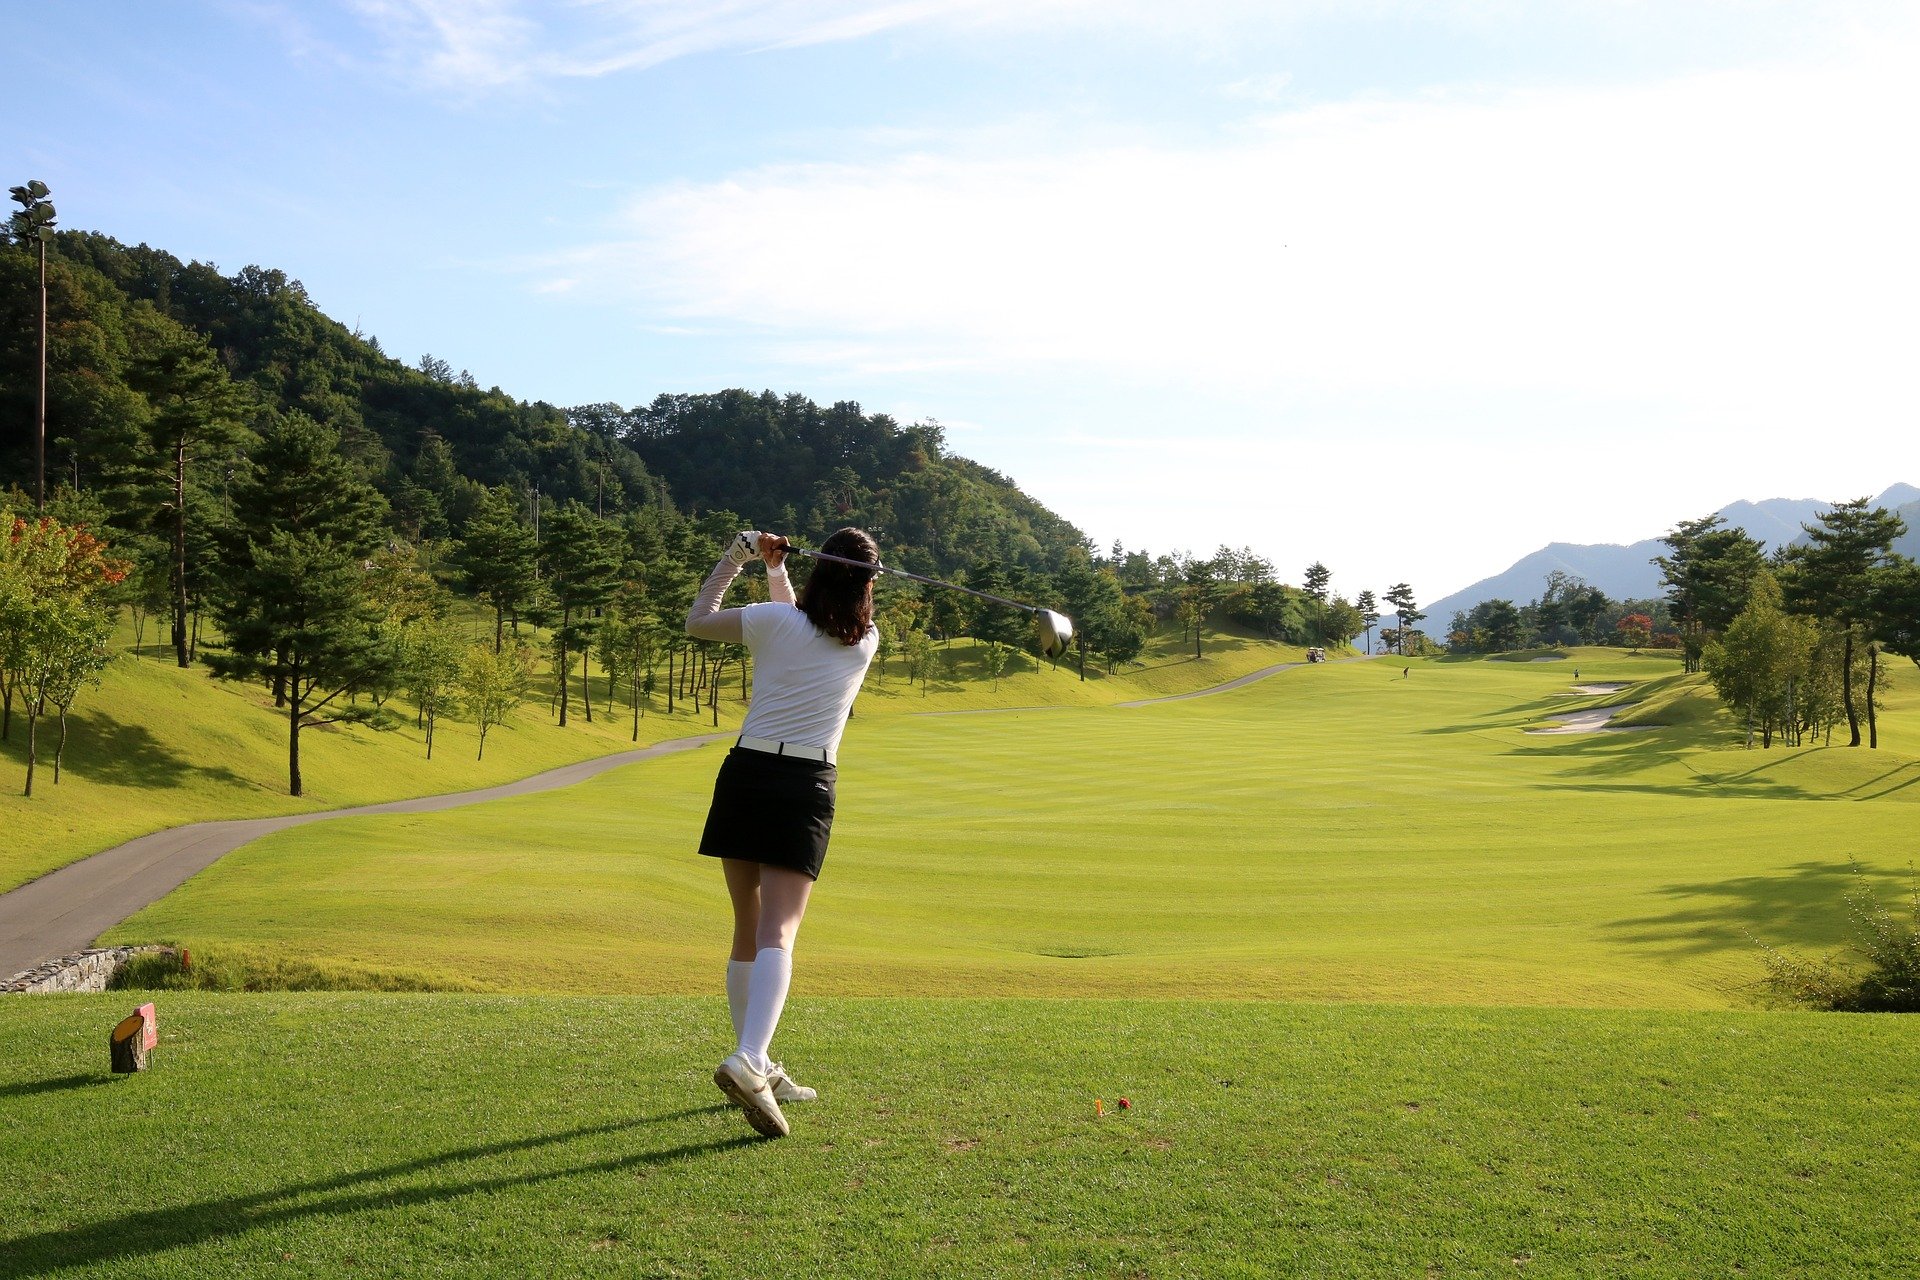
[151, 1035]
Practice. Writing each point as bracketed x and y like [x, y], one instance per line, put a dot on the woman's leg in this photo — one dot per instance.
[782, 902]
[743, 886]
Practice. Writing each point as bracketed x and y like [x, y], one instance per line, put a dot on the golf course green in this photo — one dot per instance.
[1392, 985]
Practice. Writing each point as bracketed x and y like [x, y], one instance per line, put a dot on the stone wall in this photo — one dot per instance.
[88, 970]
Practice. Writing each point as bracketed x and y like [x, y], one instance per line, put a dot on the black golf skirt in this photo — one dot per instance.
[772, 809]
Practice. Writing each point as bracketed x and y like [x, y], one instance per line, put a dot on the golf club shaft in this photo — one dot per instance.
[902, 573]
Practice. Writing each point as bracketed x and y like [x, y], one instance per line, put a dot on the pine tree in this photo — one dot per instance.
[498, 555]
[582, 563]
[296, 610]
[1832, 577]
[196, 409]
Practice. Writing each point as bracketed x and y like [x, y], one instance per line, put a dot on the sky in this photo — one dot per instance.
[1408, 289]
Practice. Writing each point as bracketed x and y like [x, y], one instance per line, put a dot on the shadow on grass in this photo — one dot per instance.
[25, 1088]
[1907, 773]
[101, 749]
[1801, 905]
[154, 1231]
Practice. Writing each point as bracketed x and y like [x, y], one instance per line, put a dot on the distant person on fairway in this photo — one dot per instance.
[773, 801]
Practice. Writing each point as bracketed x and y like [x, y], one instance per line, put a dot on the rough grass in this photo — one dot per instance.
[1336, 832]
[488, 1136]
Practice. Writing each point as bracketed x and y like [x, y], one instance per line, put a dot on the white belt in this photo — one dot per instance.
[773, 748]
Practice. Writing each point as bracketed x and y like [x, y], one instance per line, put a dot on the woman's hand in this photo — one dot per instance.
[773, 549]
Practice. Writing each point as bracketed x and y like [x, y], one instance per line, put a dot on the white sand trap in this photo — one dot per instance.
[1598, 688]
[1591, 721]
[1552, 657]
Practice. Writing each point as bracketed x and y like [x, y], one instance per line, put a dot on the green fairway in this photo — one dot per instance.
[1337, 832]
[326, 1135]
[157, 746]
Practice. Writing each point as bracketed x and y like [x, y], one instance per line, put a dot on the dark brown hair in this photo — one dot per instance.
[838, 598]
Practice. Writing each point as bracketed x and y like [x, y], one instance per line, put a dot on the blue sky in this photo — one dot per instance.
[1410, 289]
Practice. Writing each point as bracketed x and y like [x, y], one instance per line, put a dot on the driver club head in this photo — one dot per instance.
[1054, 631]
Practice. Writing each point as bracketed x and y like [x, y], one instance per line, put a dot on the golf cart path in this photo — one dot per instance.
[65, 910]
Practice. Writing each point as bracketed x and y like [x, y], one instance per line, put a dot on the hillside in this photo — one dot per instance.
[1628, 572]
[431, 438]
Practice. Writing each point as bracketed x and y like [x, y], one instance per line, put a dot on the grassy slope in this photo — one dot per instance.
[157, 746]
[407, 1135]
[1338, 832]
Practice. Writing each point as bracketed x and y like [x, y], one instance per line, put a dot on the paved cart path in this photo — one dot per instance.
[65, 910]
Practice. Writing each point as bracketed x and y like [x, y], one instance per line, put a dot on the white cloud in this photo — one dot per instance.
[1738, 243]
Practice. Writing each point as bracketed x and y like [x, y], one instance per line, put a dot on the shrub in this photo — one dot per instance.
[1890, 948]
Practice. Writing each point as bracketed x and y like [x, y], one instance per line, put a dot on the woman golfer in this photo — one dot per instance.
[773, 801]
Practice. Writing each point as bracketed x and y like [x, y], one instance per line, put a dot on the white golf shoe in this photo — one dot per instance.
[784, 1088]
[752, 1093]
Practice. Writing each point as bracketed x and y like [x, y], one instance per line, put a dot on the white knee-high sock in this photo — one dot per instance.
[739, 974]
[766, 996]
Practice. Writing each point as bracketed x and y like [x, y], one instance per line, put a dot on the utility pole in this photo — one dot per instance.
[34, 221]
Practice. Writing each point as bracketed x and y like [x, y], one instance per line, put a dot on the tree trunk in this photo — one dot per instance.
[561, 668]
[586, 688]
[669, 679]
[193, 642]
[482, 753]
[33, 724]
[180, 551]
[1846, 689]
[429, 737]
[60, 747]
[127, 1045]
[6, 716]
[280, 679]
[635, 690]
[293, 739]
[499, 624]
[1872, 720]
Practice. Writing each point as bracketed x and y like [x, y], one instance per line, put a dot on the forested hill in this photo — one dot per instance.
[432, 439]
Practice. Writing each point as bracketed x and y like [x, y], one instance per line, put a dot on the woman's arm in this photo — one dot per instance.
[706, 620]
[773, 550]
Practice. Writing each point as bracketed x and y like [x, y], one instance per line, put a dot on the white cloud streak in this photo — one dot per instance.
[1736, 242]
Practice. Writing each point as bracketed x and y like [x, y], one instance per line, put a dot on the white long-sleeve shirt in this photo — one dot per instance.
[804, 680]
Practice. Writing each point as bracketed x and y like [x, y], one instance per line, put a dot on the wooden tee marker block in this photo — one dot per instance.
[131, 1038]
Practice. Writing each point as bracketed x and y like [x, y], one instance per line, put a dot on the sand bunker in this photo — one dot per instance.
[1591, 721]
[1598, 688]
[1552, 657]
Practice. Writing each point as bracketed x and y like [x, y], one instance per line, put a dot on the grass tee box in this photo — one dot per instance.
[327, 1135]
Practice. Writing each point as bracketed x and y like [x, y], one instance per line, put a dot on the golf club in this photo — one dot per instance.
[1053, 631]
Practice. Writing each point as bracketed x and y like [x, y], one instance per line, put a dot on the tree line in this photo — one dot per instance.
[1791, 641]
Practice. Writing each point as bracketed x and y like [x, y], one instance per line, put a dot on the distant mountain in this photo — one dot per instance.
[1628, 573]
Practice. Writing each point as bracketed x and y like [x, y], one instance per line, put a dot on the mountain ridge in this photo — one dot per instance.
[1625, 571]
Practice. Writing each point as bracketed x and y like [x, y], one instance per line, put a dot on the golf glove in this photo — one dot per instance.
[744, 547]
